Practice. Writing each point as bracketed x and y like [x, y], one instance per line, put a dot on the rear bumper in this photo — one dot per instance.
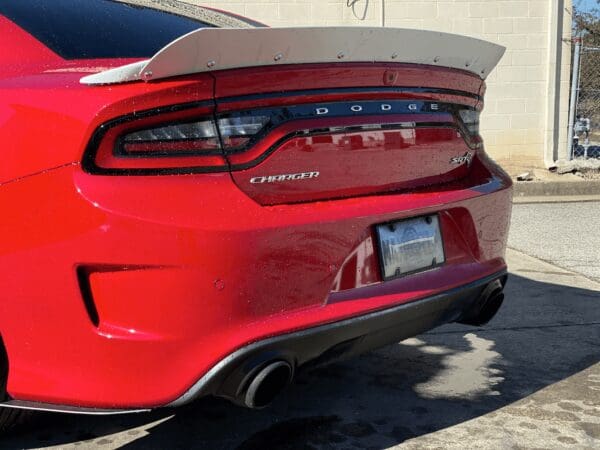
[179, 285]
[322, 344]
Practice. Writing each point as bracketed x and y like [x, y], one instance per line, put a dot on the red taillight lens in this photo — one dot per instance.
[166, 148]
[171, 140]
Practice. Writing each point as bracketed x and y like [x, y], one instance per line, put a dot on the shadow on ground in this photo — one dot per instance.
[543, 334]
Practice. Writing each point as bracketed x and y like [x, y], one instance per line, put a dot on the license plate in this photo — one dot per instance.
[410, 246]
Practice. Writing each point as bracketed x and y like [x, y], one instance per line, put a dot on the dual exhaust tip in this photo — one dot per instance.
[263, 385]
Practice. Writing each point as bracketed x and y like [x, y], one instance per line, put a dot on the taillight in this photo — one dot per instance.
[188, 140]
[237, 131]
[470, 120]
[171, 140]
[192, 139]
[178, 139]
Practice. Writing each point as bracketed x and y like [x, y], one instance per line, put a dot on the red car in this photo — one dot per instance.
[194, 204]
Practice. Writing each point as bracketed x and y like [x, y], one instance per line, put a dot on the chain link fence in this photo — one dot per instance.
[586, 117]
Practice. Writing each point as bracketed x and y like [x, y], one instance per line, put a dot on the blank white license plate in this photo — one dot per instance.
[410, 246]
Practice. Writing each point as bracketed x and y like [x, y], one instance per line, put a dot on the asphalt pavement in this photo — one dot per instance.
[529, 379]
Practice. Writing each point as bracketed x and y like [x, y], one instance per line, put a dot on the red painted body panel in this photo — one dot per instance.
[240, 274]
[356, 75]
[44, 123]
[185, 269]
[358, 163]
[31, 52]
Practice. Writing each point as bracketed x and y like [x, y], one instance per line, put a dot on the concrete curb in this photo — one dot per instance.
[556, 188]
[556, 199]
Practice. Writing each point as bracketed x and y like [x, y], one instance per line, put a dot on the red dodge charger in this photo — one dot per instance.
[195, 204]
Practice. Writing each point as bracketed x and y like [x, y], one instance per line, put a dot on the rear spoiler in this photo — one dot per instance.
[210, 49]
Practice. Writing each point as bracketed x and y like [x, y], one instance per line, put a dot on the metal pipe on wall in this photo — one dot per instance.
[574, 92]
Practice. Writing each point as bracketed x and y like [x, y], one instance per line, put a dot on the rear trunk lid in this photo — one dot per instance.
[307, 114]
[348, 130]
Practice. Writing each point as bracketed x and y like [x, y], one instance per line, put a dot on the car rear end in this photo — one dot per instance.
[216, 232]
[371, 213]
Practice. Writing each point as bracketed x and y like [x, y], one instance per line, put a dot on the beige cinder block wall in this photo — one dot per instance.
[526, 115]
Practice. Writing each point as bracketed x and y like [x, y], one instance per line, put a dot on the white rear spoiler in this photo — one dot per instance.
[210, 49]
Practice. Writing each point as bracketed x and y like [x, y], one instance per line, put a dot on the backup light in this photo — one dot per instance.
[236, 131]
[470, 119]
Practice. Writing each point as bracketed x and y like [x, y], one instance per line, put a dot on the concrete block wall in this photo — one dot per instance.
[526, 115]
